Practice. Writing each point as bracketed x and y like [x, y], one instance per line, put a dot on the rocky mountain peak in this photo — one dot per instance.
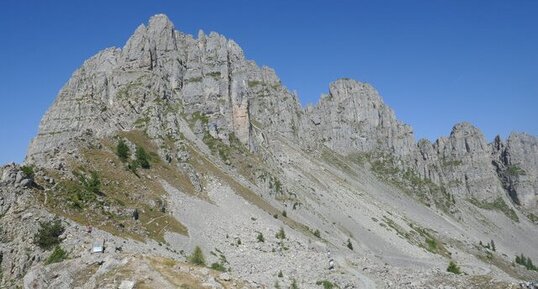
[466, 138]
[162, 78]
[345, 89]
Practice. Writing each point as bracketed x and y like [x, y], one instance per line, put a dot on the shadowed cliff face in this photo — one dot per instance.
[162, 79]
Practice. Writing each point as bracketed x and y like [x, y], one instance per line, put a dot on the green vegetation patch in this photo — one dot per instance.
[526, 262]
[104, 193]
[48, 235]
[453, 268]
[386, 167]
[498, 204]
[515, 170]
[58, 255]
[326, 284]
[197, 257]
[28, 171]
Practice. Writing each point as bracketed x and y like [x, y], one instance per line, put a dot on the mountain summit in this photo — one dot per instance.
[175, 144]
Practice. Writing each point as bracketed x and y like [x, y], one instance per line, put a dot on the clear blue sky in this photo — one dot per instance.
[435, 62]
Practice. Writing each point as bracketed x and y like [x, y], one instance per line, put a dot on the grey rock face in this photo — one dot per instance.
[517, 163]
[162, 79]
[462, 163]
[158, 75]
[353, 118]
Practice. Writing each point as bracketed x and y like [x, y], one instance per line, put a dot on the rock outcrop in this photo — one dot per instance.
[461, 163]
[516, 162]
[353, 118]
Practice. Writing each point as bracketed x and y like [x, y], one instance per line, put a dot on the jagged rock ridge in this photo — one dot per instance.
[162, 75]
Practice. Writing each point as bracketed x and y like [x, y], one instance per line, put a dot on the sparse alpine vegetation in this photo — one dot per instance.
[453, 268]
[58, 255]
[526, 262]
[197, 256]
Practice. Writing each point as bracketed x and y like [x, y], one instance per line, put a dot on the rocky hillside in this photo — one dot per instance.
[174, 142]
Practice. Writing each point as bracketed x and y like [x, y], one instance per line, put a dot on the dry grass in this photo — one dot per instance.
[159, 272]
[123, 191]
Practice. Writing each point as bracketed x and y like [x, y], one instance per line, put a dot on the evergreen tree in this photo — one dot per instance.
[197, 256]
[142, 158]
[122, 150]
[349, 244]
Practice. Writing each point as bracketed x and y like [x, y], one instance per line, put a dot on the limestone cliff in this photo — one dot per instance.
[162, 79]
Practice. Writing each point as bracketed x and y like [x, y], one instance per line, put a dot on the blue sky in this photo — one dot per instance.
[434, 62]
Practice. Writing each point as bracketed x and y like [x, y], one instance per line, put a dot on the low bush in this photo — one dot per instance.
[218, 267]
[28, 171]
[281, 234]
[326, 284]
[453, 268]
[260, 238]
[58, 255]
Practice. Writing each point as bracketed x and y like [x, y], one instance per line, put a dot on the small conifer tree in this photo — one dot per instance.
[197, 256]
[122, 150]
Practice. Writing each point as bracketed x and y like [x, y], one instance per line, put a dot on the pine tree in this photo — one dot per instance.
[197, 256]
[142, 158]
[122, 150]
[349, 245]
[493, 246]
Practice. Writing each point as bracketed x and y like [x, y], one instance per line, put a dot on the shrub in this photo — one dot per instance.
[326, 284]
[432, 244]
[260, 238]
[294, 284]
[28, 171]
[277, 285]
[493, 246]
[93, 184]
[142, 158]
[453, 268]
[514, 170]
[317, 233]
[122, 150]
[48, 234]
[284, 214]
[281, 234]
[280, 275]
[197, 256]
[349, 244]
[58, 255]
[218, 267]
